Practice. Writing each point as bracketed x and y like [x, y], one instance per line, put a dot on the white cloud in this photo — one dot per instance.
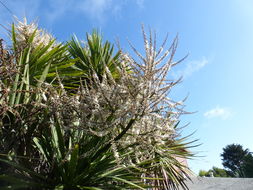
[26, 8]
[57, 8]
[191, 67]
[98, 10]
[218, 112]
[18, 8]
[140, 3]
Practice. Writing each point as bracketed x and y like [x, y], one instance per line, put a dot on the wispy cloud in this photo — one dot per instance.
[218, 112]
[20, 9]
[98, 10]
[101, 9]
[25, 8]
[191, 67]
[57, 8]
[140, 3]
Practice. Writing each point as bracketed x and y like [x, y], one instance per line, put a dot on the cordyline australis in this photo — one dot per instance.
[124, 110]
[24, 31]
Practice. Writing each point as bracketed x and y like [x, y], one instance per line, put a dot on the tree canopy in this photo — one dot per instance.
[215, 172]
[237, 160]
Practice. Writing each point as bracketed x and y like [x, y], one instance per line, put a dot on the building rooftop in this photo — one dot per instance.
[218, 183]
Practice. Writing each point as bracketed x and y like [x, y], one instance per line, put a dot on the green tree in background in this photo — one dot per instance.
[237, 160]
[219, 172]
[247, 166]
[215, 172]
[203, 173]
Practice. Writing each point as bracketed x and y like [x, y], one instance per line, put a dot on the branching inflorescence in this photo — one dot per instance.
[133, 112]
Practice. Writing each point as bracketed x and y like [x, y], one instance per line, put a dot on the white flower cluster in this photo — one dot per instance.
[134, 111]
[134, 108]
[25, 30]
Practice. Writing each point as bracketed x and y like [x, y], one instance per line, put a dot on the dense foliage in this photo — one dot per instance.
[237, 160]
[80, 116]
[247, 166]
[214, 172]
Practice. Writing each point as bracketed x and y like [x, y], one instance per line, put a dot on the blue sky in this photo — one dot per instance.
[218, 35]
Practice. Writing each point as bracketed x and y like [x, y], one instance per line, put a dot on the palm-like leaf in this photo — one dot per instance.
[33, 66]
[111, 133]
[94, 56]
[67, 161]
